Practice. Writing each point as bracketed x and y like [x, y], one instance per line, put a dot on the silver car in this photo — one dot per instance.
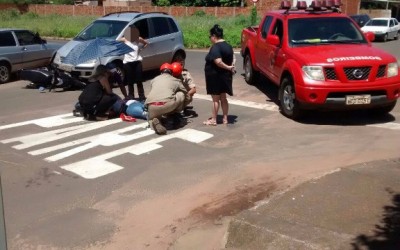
[164, 37]
[23, 49]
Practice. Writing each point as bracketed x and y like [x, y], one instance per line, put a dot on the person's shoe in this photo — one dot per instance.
[158, 127]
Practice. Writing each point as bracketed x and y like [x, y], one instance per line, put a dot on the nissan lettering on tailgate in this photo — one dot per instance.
[320, 58]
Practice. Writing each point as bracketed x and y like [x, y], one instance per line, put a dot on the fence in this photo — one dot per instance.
[72, 10]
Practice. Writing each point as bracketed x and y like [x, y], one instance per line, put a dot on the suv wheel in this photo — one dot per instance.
[5, 73]
[250, 74]
[287, 97]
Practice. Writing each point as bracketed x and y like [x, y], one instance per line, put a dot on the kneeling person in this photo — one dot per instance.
[167, 96]
[97, 99]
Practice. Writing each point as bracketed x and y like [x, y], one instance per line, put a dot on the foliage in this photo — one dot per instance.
[46, 25]
[253, 15]
[195, 28]
[199, 13]
[209, 3]
[163, 3]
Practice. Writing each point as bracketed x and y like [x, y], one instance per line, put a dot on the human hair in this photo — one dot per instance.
[217, 31]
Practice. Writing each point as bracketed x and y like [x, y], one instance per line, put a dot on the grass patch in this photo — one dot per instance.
[195, 28]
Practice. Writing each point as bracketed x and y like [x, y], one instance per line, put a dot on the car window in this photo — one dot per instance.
[102, 28]
[160, 25]
[7, 39]
[265, 26]
[172, 25]
[304, 31]
[27, 38]
[395, 21]
[143, 28]
[391, 23]
[377, 22]
[278, 29]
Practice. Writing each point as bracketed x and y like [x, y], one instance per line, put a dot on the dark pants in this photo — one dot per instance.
[133, 75]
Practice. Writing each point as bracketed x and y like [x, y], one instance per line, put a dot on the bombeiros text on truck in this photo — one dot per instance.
[320, 59]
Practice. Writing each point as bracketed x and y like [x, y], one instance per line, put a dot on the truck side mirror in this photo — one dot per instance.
[370, 36]
[273, 40]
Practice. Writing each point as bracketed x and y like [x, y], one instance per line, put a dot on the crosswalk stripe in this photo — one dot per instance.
[248, 104]
[98, 166]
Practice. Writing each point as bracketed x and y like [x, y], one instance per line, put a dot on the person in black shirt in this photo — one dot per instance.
[219, 69]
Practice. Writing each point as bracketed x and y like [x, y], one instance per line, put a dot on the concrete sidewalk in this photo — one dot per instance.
[356, 207]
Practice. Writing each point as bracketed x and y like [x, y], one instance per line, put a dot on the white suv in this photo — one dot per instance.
[159, 29]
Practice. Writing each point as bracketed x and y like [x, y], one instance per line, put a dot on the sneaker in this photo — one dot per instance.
[158, 127]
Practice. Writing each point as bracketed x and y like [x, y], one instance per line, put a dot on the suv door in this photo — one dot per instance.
[34, 53]
[261, 46]
[164, 37]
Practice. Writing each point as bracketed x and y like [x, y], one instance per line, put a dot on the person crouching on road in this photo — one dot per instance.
[97, 101]
[186, 78]
[167, 96]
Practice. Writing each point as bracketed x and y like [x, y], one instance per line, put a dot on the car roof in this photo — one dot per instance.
[130, 15]
[301, 13]
[11, 29]
[382, 18]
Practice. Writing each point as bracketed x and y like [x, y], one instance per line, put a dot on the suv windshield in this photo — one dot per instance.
[103, 28]
[326, 30]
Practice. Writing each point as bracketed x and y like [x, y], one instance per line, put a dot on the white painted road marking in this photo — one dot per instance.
[48, 122]
[28, 141]
[248, 104]
[98, 166]
[388, 125]
[106, 139]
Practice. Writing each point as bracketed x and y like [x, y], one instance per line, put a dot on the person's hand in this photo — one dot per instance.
[233, 70]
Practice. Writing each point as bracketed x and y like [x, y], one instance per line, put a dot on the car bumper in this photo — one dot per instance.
[80, 72]
[335, 98]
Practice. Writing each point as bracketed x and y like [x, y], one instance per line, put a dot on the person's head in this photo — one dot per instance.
[216, 32]
[166, 68]
[101, 71]
[176, 69]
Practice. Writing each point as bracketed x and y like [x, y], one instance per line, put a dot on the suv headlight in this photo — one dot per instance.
[314, 72]
[393, 69]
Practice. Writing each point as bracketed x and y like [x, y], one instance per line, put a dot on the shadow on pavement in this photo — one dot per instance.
[266, 87]
[345, 118]
[387, 234]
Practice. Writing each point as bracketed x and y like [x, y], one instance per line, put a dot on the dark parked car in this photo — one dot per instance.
[23, 49]
[361, 19]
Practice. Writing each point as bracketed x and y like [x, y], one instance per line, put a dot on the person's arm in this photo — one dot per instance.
[222, 65]
[144, 42]
[106, 85]
[123, 90]
[122, 39]
[189, 81]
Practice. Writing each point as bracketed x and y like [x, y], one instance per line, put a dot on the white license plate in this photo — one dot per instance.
[65, 67]
[358, 99]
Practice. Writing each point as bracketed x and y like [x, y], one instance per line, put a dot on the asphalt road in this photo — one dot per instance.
[72, 184]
